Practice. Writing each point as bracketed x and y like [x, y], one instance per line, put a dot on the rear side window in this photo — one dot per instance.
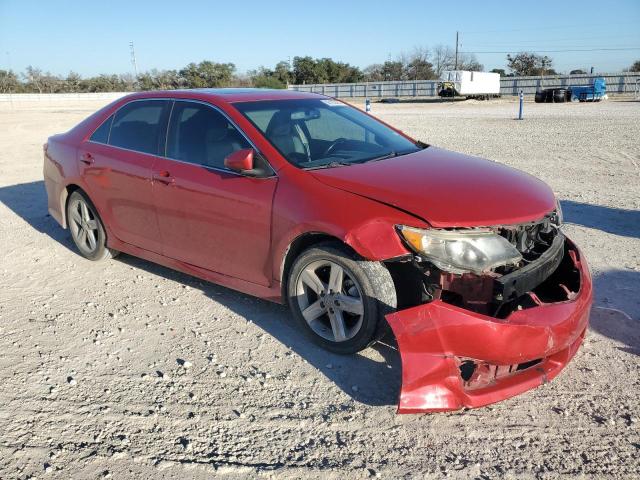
[101, 135]
[137, 126]
[200, 134]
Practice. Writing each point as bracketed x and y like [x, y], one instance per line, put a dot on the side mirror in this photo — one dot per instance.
[240, 160]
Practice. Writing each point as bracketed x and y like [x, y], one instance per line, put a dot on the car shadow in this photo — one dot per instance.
[29, 202]
[376, 371]
[618, 221]
[616, 308]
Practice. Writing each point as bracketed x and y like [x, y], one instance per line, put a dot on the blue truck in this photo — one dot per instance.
[575, 93]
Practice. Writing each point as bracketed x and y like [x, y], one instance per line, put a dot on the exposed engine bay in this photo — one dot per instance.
[543, 273]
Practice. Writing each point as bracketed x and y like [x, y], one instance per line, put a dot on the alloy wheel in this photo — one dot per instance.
[330, 300]
[84, 226]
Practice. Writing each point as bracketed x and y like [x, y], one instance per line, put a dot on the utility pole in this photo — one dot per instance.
[8, 74]
[456, 64]
[133, 60]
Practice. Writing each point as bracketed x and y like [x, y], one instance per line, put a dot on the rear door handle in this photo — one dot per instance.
[163, 177]
[87, 158]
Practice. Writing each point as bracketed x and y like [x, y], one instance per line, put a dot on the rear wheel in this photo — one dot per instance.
[340, 299]
[86, 228]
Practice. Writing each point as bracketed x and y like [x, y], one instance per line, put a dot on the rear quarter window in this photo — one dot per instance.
[101, 135]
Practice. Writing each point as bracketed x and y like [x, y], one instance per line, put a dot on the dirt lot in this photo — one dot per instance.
[92, 387]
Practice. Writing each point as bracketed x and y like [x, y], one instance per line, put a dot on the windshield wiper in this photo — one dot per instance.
[391, 154]
[332, 164]
[383, 157]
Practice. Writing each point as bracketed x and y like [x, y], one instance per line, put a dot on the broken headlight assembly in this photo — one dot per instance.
[556, 216]
[461, 251]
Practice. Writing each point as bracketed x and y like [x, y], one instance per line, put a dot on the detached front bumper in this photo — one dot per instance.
[454, 358]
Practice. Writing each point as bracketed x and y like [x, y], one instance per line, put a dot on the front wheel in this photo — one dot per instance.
[340, 299]
[86, 228]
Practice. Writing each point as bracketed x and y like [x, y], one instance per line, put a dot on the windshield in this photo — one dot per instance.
[321, 133]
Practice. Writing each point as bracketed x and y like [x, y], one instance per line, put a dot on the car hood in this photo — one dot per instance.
[447, 189]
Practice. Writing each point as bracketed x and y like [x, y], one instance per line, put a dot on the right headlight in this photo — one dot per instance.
[460, 251]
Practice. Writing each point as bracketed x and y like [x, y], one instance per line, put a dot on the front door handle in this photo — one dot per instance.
[87, 158]
[163, 177]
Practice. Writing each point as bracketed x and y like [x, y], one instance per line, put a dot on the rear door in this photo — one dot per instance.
[116, 164]
[210, 216]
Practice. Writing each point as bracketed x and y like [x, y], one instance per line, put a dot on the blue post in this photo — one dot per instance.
[521, 103]
[367, 105]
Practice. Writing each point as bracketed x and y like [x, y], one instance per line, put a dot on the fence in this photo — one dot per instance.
[616, 83]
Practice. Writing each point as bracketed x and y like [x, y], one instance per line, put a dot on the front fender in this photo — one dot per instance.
[376, 239]
[371, 242]
[306, 206]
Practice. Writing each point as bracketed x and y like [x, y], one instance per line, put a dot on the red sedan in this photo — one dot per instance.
[300, 198]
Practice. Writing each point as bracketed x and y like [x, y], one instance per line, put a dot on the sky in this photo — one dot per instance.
[93, 37]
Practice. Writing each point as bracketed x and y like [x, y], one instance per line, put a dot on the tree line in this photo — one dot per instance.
[420, 64]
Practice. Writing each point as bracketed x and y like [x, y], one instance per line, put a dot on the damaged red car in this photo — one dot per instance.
[302, 199]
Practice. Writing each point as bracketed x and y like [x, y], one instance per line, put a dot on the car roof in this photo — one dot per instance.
[229, 95]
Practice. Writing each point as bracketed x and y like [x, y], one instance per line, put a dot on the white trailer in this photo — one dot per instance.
[469, 84]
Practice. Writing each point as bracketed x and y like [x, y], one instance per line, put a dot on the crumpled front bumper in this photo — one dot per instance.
[511, 355]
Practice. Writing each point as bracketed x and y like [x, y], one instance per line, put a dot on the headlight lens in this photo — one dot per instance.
[460, 251]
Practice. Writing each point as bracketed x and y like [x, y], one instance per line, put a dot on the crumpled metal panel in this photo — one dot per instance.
[435, 338]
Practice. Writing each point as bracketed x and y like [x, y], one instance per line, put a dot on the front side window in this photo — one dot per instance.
[318, 133]
[137, 126]
[201, 135]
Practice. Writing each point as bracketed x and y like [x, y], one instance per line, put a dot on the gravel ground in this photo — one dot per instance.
[128, 369]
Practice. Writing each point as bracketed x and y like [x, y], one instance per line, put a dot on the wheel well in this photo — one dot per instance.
[66, 193]
[299, 245]
[408, 281]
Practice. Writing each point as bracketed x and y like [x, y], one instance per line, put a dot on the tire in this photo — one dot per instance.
[540, 96]
[559, 95]
[87, 230]
[548, 95]
[367, 285]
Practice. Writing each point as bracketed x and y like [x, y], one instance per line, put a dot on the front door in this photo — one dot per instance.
[209, 216]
